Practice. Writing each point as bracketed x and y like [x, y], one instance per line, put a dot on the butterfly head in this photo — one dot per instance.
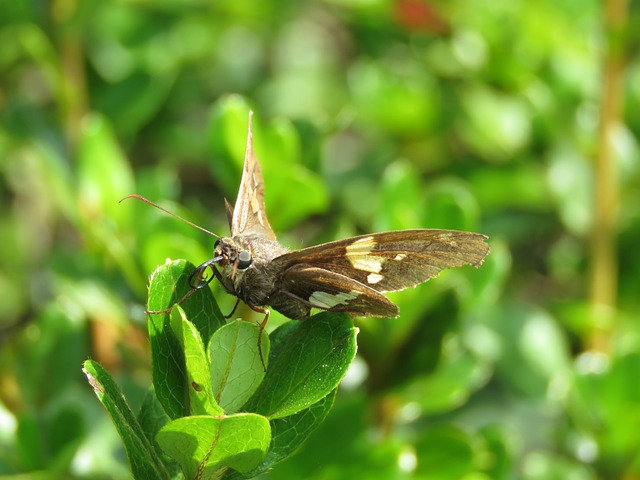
[234, 256]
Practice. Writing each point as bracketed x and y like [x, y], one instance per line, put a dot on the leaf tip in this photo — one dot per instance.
[93, 381]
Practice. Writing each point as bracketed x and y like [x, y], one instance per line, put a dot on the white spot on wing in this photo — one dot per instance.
[375, 278]
[399, 257]
[359, 254]
[367, 263]
[328, 300]
[361, 246]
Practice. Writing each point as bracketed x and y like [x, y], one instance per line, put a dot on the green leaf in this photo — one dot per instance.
[457, 375]
[279, 337]
[104, 173]
[282, 144]
[540, 464]
[391, 101]
[607, 401]
[496, 125]
[145, 461]
[312, 360]
[443, 453]
[228, 139]
[236, 365]
[30, 444]
[343, 447]
[204, 445]
[201, 400]
[151, 416]
[132, 101]
[401, 198]
[288, 433]
[169, 284]
[499, 447]
[296, 182]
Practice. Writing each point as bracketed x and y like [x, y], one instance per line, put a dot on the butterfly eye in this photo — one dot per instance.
[244, 260]
[215, 245]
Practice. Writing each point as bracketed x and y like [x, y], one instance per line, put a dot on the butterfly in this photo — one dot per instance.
[349, 275]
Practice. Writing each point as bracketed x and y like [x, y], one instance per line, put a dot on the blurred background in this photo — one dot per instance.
[516, 119]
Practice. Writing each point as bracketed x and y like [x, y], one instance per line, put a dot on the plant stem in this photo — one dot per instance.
[604, 266]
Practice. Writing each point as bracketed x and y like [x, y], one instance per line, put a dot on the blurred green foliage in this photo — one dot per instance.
[370, 115]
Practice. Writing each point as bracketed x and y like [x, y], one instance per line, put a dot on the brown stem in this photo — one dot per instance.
[604, 263]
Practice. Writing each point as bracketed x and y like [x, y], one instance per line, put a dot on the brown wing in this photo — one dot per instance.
[249, 214]
[331, 291]
[391, 261]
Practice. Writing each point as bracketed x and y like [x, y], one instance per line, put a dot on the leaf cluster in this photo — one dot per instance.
[213, 409]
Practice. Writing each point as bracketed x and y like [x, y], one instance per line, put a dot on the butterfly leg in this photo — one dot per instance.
[262, 325]
[233, 309]
[168, 310]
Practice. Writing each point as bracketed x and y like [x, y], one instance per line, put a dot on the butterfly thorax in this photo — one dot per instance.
[252, 281]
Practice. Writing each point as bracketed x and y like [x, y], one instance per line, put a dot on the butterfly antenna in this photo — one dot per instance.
[141, 198]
